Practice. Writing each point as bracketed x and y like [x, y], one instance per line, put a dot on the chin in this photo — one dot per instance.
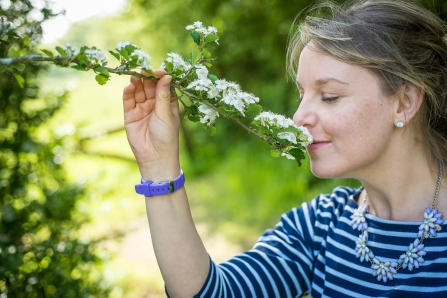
[326, 170]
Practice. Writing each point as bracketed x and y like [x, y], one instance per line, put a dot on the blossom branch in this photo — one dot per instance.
[209, 95]
[59, 59]
[190, 95]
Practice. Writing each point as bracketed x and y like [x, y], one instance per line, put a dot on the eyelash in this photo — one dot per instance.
[329, 98]
[324, 99]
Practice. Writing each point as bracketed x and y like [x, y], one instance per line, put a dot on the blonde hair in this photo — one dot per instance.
[398, 40]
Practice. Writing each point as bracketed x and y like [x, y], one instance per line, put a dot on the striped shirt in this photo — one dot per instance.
[311, 250]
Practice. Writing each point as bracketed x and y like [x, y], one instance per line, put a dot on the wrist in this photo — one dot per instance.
[151, 188]
[160, 171]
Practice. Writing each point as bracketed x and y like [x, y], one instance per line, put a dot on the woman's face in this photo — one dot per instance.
[349, 117]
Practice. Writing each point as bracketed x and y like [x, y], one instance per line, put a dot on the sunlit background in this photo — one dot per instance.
[236, 189]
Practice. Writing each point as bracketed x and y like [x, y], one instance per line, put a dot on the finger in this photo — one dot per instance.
[140, 96]
[175, 108]
[163, 97]
[149, 85]
[129, 97]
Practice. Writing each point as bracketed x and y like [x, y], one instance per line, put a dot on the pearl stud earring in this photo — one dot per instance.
[399, 124]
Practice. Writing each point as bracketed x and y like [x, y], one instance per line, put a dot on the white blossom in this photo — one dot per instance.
[221, 84]
[305, 137]
[201, 85]
[231, 98]
[287, 155]
[209, 114]
[122, 44]
[93, 54]
[269, 119]
[177, 62]
[201, 71]
[143, 58]
[232, 95]
[289, 136]
[70, 50]
[233, 86]
[198, 27]
[248, 98]
[213, 92]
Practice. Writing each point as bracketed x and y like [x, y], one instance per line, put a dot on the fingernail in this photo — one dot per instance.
[168, 79]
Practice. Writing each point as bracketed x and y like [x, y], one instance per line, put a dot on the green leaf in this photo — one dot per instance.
[124, 53]
[211, 38]
[207, 64]
[253, 109]
[212, 77]
[211, 130]
[48, 53]
[298, 153]
[101, 79]
[150, 72]
[20, 80]
[196, 37]
[194, 118]
[130, 48]
[60, 51]
[275, 153]
[78, 67]
[81, 58]
[206, 53]
[169, 66]
[195, 56]
[83, 49]
[193, 109]
[102, 71]
[116, 55]
[132, 64]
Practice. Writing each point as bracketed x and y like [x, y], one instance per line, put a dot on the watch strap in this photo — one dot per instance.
[150, 188]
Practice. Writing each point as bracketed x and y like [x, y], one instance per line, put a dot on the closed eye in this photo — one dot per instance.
[330, 98]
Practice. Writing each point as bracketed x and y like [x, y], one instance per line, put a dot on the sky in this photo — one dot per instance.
[76, 10]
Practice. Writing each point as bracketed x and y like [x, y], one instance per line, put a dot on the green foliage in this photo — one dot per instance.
[41, 251]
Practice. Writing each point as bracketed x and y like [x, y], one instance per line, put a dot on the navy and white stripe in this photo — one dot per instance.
[311, 250]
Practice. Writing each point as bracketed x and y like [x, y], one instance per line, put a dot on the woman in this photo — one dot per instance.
[372, 78]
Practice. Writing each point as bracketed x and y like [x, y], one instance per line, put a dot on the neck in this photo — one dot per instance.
[402, 192]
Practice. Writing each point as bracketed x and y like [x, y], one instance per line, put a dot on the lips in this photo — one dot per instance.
[317, 145]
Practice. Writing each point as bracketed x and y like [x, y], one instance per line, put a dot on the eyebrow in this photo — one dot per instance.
[323, 81]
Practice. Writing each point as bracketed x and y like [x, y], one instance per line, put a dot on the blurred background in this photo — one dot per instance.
[70, 222]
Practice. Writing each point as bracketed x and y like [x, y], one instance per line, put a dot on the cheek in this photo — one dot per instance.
[358, 127]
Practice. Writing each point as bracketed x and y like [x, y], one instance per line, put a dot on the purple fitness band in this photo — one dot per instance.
[149, 188]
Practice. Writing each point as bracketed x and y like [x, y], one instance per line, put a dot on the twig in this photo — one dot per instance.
[59, 59]
[224, 115]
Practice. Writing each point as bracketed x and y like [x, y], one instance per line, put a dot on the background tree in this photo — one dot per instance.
[41, 253]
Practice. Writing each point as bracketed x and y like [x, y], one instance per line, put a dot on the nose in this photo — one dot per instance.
[304, 115]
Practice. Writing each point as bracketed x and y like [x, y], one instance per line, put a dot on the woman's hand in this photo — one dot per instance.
[151, 118]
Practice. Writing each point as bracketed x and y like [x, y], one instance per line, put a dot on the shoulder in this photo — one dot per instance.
[316, 216]
[337, 200]
[326, 204]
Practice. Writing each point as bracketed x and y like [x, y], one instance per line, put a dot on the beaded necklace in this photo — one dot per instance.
[409, 260]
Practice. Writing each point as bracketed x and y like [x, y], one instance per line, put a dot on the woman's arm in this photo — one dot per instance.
[152, 126]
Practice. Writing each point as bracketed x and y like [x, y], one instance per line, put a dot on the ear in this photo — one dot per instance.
[408, 103]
